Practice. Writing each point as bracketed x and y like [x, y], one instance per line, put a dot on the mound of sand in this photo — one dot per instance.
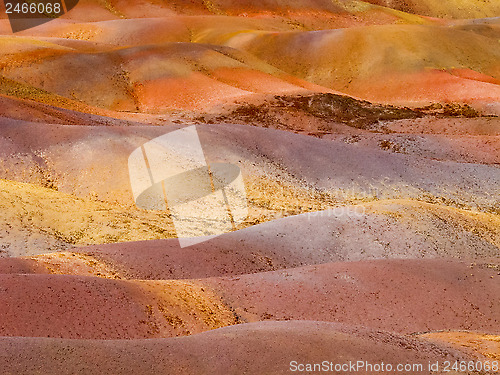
[405, 230]
[150, 79]
[402, 61]
[486, 347]
[285, 174]
[444, 9]
[99, 308]
[94, 160]
[405, 64]
[222, 351]
[36, 220]
[398, 295]
[297, 15]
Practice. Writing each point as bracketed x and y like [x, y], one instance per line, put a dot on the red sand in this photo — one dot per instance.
[428, 87]
[97, 308]
[253, 349]
[404, 296]
[72, 307]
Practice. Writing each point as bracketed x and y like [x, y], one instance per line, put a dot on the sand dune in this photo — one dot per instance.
[18, 265]
[63, 112]
[402, 230]
[405, 296]
[300, 14]
[397, 295]
[83, 170]
[364, 50]
[482, 345]
[153, 79]
[460, 127]
[38, 220]
[304, 10]
[445, 9]
[342, 169]
[99, 308]
[390, 63]
[463, 149]
[275, 344]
